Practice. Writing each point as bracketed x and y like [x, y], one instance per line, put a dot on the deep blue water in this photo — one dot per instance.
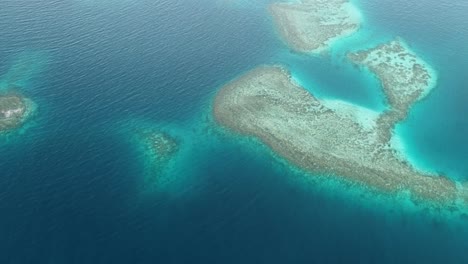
[70, 184]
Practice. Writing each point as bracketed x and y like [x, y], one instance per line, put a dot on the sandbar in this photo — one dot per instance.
[312, 25]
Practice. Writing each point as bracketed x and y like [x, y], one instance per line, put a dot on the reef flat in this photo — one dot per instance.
[311, 25]
[14, 110]
[321, 136]
[405, 78]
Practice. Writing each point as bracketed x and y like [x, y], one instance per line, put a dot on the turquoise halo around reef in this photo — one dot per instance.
[77, 184]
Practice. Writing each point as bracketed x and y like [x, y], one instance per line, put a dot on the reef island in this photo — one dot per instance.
[14, 110]
[311, 25]
[336, 138]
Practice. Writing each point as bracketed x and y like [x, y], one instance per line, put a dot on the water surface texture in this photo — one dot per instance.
[76, 187]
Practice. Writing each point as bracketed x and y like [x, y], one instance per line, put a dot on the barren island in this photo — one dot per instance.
[336, 138]
[311, 25]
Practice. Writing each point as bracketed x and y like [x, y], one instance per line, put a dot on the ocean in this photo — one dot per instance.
[74, 183]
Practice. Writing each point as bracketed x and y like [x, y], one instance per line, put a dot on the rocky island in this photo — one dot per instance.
[14, 110]
[311, 25]
[331, 137]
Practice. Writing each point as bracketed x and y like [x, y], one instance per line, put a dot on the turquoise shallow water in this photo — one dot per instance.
[73, 181]
[435, 133]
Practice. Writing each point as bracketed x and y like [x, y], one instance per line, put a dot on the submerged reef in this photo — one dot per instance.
[311, 25]
[14, 110]
[161, 148]
[15, 107]
[332, 137]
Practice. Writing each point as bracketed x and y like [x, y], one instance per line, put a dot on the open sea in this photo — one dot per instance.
[76, 187]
